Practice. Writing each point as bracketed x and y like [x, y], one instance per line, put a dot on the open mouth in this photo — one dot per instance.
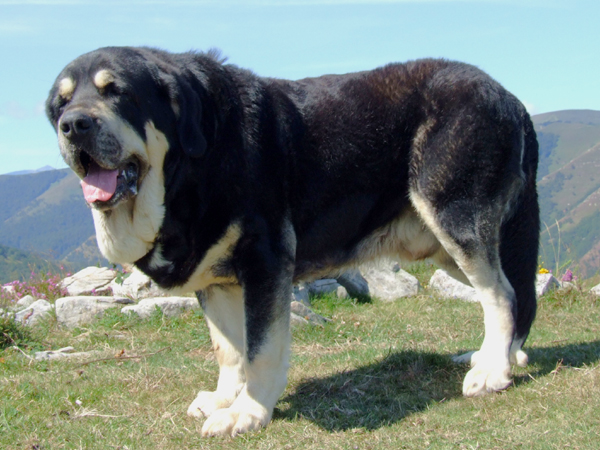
[103, 188]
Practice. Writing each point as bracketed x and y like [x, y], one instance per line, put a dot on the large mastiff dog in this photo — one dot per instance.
[214, 180]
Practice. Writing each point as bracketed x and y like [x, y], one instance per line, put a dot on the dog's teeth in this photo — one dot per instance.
[134, 190]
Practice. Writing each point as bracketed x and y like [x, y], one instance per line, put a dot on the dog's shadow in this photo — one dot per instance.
[403, 383]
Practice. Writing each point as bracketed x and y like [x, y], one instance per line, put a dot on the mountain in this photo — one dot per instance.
[44, 213]
[569, 189]
[26, 172]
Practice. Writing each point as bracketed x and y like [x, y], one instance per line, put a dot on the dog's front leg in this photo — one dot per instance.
[265, 269]
[224, 311]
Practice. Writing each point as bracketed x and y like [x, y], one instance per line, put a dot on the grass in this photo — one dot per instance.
[378, 376]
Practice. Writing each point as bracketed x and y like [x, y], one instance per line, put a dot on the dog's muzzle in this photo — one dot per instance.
[95, 156]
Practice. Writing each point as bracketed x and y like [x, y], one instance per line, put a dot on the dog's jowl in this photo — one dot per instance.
[214, 180]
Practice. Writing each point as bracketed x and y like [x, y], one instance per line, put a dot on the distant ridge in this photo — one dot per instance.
[27, 172]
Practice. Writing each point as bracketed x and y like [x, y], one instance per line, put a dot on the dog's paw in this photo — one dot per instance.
[485, 378]
[519, 358]
[231, 422]
[466, 358]
[206, 403]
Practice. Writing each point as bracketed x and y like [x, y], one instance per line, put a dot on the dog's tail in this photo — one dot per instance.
[520, 239]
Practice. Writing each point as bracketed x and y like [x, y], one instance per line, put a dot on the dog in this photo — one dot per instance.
[211, 179]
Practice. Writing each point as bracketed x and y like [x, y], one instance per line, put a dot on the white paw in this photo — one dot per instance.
[519, 358]
[466, 358]
[485, 378]
[206, 403]
[231, 422]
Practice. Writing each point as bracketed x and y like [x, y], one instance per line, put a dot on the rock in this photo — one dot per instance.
[388, 283]
[322, 287]
[566, 286]
[300, 294]
[63, 353]
[8, 288]
[75, 311]
[25, 302]
[342, 292]
[306, 313]
[137, 285]
[595, 290]
[545, 283]
[38, 310]
[91, 280]
[296, 320]
[451, 288]
[170, 306]
[354, 283]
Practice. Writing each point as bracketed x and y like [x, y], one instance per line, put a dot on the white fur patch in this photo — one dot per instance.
[204, 275]
[127, 232]
[406, 238]
[103, 78]
[66, 88]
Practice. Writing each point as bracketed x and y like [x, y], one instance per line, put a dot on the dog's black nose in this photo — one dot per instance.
[76, 124]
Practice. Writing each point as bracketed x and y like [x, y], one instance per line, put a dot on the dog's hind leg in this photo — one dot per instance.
[471, 236]
[264, 264]
[224, 311]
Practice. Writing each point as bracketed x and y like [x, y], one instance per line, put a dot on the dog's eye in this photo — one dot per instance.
[110, 89]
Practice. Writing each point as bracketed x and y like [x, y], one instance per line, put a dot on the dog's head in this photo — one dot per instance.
[102, 106]
[118, 111]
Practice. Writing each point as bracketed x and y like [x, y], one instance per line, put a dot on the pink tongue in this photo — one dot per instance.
[99, 184]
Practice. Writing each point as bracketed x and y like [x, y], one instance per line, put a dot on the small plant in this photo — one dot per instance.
[12, 333]
[122, 274]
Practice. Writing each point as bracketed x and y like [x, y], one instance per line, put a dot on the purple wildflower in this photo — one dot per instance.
[568, 276]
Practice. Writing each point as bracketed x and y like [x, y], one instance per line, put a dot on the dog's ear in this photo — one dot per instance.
[187, 106]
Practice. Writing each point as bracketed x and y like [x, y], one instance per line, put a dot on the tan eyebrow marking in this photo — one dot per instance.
[103, 78]
[66, 87]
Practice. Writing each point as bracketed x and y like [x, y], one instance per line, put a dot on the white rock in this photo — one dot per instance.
[342, 292]
[38, 310]
[170, 306]
[25, 302]
[137, 285]
[354, 283]
[300, 294]
[75, 311]
[63, 353]
[566, 286]
[451, 288]
[322, 287]
[89, 280]
[296, 320]
[8, 288]
[545, 283]
[595, 290]
[306, 313]
[388, 283]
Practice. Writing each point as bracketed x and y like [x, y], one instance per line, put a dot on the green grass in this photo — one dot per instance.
[378, 376]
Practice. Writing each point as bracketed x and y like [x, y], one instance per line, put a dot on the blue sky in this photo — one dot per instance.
[547, 52]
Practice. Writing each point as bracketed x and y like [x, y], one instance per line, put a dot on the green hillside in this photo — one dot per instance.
[569, 189]
[17, 265]
[44, 213]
